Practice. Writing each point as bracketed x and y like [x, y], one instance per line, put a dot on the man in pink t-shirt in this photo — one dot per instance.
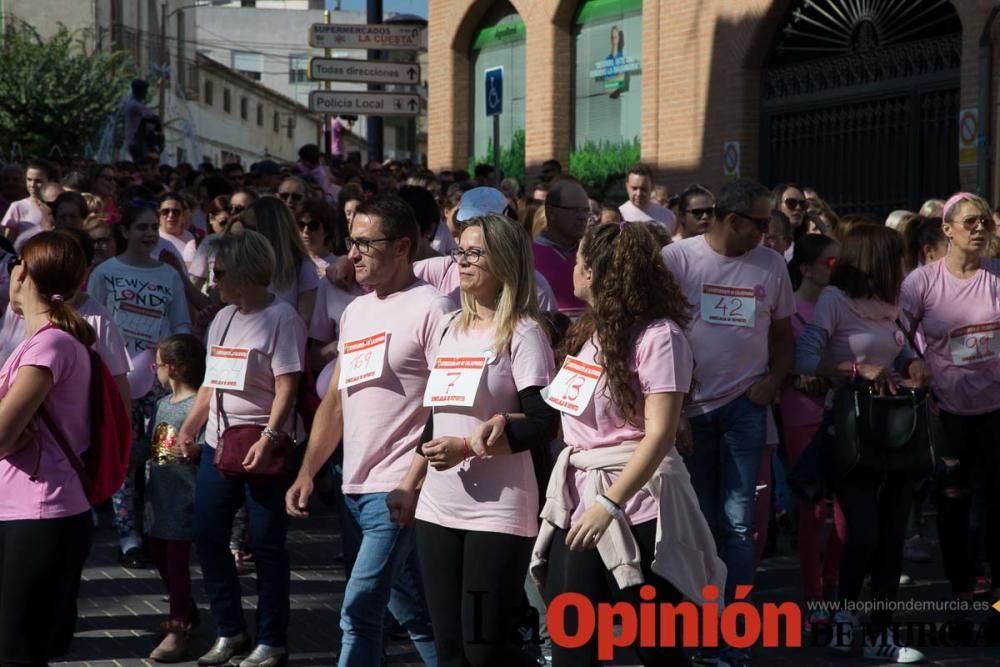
[743, 347]
[567, 208]
[24, 214]
[386, 337]
[640, 206]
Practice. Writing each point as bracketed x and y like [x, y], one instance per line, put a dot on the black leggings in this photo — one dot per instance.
[584, 572]
[40, 566]
[875, 510]
[975, 441]
[474, 582]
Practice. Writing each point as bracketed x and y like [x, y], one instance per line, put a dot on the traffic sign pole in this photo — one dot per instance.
[375, 147]
[327, 118]
[494, 107]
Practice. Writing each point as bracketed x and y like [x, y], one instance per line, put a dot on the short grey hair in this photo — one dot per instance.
[739, 196]
[247, 256]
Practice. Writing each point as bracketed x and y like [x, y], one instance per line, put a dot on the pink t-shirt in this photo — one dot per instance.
[184, 244]
[276, 338]
[659, 214]
[307, 280]
[662, 362]
[384, 417]
[945, 305]
[497, 494]
[58, 491]
[853, 336]
[442, 274]
[330, 304]
[730, 357]
[798, 409]
[556, 266]
[22, 215]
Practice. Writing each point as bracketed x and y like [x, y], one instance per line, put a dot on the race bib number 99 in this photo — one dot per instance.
[975, 343]
[454, 381]
[363, 360]
[732, 306]
[573, 387]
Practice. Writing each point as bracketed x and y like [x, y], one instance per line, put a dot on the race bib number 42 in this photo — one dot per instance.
[454, 381]
[573, 386]
[363, 360]
[226, 367]
[975, 343]
[733, 306]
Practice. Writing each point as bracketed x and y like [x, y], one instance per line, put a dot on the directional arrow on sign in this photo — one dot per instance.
[364, 103]
[413, 73]
[413, 105]
[363, 71]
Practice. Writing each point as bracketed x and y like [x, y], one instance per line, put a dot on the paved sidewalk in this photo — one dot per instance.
[121, 609]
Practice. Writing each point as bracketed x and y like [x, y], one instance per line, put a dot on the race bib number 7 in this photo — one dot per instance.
[732, 306]
[573, 387]
[363, 360]
[975, 343]
[454, 381]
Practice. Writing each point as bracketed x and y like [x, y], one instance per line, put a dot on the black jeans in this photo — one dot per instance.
[584, 572]
[974, 440]
[41, 562]
[876, 508]
[474, 582]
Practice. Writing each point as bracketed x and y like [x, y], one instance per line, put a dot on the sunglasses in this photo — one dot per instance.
[794, 204]
[167, 212]
[16, 260]
[700, 213]
[973, 220]
[290, 196]
[233, 210]
[312, 226]
[760, 223]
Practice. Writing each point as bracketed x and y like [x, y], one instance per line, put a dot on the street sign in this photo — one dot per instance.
[376, 37]
[363, 71]
[370, 104]
[731, 159]
[494, 91]
[968, 131]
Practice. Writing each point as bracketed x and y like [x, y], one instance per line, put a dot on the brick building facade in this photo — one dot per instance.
[718, 71]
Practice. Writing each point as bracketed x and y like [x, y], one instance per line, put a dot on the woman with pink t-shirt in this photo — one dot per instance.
[44, 514]
[801, 415]
[854, 334]
[627, 368]
[478, 508]
[955, 304]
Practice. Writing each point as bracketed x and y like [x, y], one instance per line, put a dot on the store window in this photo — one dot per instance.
[500, 44]
[607, 72]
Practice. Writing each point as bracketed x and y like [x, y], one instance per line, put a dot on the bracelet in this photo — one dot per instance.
[466, 453]
[505, 416]
[609, 505]
[611, 501]
[270, 434]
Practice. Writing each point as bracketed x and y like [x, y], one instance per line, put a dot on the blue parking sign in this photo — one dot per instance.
[494, 91]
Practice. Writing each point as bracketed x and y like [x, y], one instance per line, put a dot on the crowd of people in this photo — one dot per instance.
[512, 397]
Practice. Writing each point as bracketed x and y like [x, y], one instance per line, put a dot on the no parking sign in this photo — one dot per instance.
[731, 159]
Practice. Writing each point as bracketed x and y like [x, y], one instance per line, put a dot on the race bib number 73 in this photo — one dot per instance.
[573, 387]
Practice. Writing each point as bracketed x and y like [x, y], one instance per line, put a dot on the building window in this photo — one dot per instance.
[244, 106]
[297, 68]
[277, 122]
[249, 63]
[227, 100]
[499, 43]
[260, 115]
[290, 130]
[208, 93]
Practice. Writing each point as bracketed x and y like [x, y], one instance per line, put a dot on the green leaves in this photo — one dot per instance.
[56, 94]
[601, 167]
[511, 158]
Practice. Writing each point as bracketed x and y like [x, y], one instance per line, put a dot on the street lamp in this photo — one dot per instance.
[164, 64]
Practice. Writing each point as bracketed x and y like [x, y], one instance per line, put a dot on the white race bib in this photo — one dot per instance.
[454, 381]
[974, 343]
[733, 306]
[363, 360]
[573, 386]
[226, 367]
[139, 322]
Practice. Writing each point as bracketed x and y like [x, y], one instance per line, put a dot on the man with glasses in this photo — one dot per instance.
[567, 211]
[742, 341]
[697, 210]
[640, 206]
[381, 373]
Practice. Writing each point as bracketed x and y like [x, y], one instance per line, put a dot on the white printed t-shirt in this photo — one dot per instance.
[664, 216]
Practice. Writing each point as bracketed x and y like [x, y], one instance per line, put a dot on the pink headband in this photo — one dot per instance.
[955, 198]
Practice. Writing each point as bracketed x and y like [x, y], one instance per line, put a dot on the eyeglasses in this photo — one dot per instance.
[472, 255]
[364, 245]
[760, 223]
[699, 213]
[167, 212]
[796, 204]
[312, 225]
[233, 210]
[970, 222]
[579, 211]
[829, 262]
[155, 366]
[293, 196]
[16, 260]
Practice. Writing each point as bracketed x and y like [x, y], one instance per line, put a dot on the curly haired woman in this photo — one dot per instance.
[619, 492]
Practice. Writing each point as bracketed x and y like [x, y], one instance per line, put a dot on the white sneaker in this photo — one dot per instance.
[889, 651]
[842, 629]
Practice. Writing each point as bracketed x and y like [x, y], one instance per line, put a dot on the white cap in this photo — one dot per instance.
[480, 201]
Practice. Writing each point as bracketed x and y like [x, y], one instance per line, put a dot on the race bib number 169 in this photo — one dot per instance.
[363, 360]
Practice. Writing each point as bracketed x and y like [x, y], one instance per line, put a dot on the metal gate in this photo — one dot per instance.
[874, 127]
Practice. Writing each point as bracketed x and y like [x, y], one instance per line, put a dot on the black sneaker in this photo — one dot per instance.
[133, 559]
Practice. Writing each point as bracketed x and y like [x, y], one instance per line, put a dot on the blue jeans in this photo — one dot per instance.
[385, 574]
[216, 501]
[724, 466]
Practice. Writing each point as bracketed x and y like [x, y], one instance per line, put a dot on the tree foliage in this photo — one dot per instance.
[56, 94]
[511, 158]
[601, 167]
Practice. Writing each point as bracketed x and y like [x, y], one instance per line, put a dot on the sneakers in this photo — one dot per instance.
[915, 550]
[266, 656]
[842, 635]
[224, 649]
[889, 651]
